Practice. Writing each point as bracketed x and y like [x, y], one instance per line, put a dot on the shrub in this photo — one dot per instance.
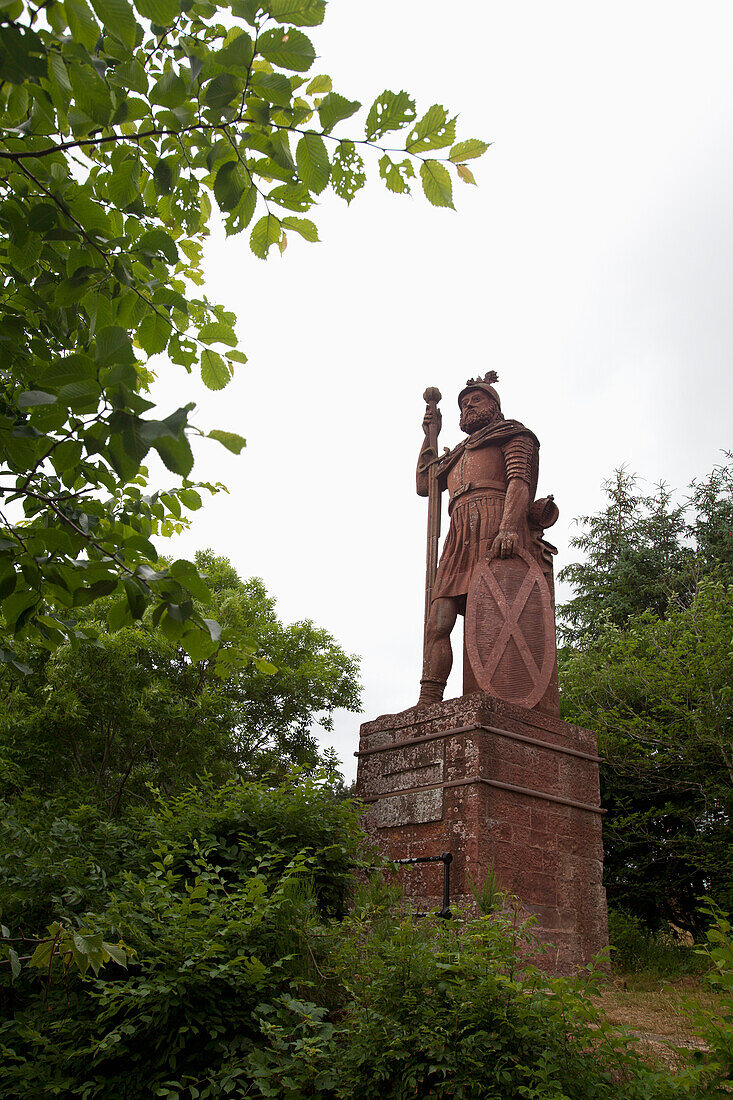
[244, 978]
[658, 955]
[716, 1027]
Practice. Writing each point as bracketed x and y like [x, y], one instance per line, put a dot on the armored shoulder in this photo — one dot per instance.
[521, 457]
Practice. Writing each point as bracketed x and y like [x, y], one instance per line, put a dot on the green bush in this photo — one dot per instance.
[440, 1009]
[716, 1027]
[218, 925]
[245, 978]
[657, 955]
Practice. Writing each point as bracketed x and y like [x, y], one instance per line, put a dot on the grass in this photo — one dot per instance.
[657, 981]
[654, 1010]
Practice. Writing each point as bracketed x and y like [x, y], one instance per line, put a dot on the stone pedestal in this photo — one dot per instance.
[498, 786]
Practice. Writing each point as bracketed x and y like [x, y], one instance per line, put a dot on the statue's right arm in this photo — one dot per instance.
[427, 454]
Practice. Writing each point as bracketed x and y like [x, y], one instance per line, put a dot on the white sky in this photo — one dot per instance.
[592, 268]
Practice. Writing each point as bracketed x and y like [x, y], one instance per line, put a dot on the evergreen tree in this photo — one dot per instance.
[648, 665]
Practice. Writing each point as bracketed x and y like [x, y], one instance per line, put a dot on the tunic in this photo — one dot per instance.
[476, 474]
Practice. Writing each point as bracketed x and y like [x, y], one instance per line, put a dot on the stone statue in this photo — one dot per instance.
[495, 568]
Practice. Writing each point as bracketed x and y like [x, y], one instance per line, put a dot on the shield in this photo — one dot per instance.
[510, 629]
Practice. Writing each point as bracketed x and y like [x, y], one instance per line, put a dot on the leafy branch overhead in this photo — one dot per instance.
[122, 127]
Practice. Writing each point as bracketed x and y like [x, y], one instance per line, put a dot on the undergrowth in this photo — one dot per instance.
[646, 957]
[249, 975]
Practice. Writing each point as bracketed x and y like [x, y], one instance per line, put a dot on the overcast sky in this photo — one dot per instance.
[592, 268]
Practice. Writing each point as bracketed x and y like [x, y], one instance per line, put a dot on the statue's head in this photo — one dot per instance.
[479, 403]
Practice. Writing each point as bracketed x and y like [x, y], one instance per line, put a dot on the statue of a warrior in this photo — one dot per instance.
[495, 567]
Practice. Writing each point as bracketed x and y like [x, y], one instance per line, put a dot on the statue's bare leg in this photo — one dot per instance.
[438, 652]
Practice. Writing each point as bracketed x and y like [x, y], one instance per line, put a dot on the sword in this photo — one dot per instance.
[432, 397]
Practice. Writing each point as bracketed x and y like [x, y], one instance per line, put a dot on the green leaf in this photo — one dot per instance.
[237, 356]
[198, 644]
[170, 90]
[41, 957]
[231, 184]
[222, 90]
[273, 87]
[43, 216]
[218, 332]
[436, 183]
[172, 626]
[119, 615]
[319, 84]
[396, 176]
[279, 149]
[242, 214]
[236, 55]
[35, 397]
[230, 440]
[214, 371]
[312, 160]
[81, 395]
[466, 150]
[116, 954]
[190, 498]
[82, 23]
[14, 963]
[130, 75]
[306, 228]
[22, 53]
[176, 454]
[159, 242]
[265, 667]
[91, 94]
[247, 9]
[301, 13]
[390, 111]
[114, 346]
[433, 131]
[135, 597]
[9, 578]
[17, 606]
[266, 233]
[187, 575]
[66, 455]
[287, 48]
[123, 184]
[347, 173]
[118, 18]
[154, 333]
[334, 108]
[179, 612]
[163, 176]
[161, 12]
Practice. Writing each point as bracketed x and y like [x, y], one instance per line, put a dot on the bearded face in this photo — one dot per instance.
[477, 410]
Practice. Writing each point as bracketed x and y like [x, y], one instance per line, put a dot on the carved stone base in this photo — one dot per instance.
[500, 787]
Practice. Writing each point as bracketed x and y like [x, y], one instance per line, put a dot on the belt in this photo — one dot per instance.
[461, 496]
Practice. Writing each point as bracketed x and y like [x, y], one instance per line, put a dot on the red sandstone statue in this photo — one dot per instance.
[495, 569]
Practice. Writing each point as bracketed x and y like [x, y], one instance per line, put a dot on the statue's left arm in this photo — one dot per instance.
[520, 458]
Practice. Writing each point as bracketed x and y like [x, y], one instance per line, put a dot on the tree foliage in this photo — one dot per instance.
[658, 693]
[122, 126]
[132, 712]
[245, 977]
[650, 669]
[634, 559]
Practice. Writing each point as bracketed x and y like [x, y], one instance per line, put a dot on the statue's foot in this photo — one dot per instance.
[431, 691]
